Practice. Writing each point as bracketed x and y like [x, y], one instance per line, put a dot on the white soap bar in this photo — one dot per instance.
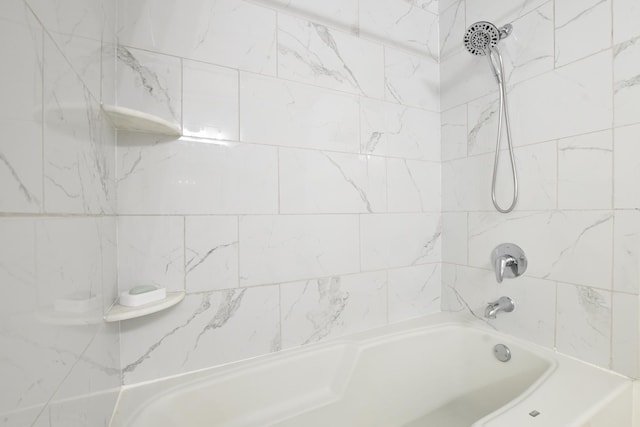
[141, 295]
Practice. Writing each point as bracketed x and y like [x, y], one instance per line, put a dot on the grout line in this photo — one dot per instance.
[238, 252]
[184, 253]
[42, 115]
[555, 53]
[278, 179]
[287, 80]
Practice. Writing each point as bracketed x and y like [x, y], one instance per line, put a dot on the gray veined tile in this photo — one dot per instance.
[406, 24]
[581, 28]
[313, 245]
[626, 75]
[588, 340]
[313, 53]
[319, 309]
[202, 30]
[390, 129]
[150, 82]
[412, 80]
[211, 253]
[341, 183]
[414, 291]
[204, 330]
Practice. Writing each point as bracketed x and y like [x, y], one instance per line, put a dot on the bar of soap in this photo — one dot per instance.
[141, 295]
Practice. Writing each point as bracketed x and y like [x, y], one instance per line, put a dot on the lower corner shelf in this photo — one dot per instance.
[120, 312]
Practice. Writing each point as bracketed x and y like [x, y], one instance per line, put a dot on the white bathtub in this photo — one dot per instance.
[434, 372]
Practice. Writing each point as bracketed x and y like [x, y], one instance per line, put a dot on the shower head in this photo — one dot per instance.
[482, 36]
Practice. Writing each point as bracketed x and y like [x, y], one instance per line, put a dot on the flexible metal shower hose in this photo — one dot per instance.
[503, 112]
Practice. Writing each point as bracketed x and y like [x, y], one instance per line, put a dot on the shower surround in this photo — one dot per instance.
[306, 200]
[303, 202]
[572, 74]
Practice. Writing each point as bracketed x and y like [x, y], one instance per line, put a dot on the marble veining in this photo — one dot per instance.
[205, 305]
[332, 302]
[198, 259]
[430, 246]
[148, 79]
[227, 308]
[582, 13]
[28, 195]
[313, 53]
[571, 246]
[362, 194]
[596, 308]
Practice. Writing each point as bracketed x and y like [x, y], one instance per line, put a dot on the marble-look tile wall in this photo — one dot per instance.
[60, 363]
[304, 201]
[573, 98]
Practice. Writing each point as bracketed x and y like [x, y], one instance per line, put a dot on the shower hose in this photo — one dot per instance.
[503, 114]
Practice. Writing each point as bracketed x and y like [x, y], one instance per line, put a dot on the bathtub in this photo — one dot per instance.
[439, 371]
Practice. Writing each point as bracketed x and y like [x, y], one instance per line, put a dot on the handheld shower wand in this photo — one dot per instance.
[482, 39]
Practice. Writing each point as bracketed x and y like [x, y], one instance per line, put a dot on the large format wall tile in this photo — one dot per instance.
[451, 28]
[195, 177]
[626, 159]
[626, 66]
[454, 133]
[150, 83]
[399, 240]
[315, 54]
[323, 182]
[626, 14]
[585, 173]
[341, 13]
[500, 11]
[582, 28]
[290, 247]
[203, 30]
[454, 238]
[151, 252]
[626, 252]
[584, 323]
[279, 112]
[92, 19]
[206, 329]
[211, 253]
[625, 352]
[400, 22]
[568, 246]
[412, 80]
[413, 186]
[49, 260]
[389, 129]
[78, 170]
[583, 101]
[329, 307]
[414, 291]
[210, 101]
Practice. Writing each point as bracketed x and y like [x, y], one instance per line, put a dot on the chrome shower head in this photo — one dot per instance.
[481, 37]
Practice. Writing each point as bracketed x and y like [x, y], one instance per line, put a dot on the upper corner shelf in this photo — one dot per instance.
[120, 312]
[138, 121]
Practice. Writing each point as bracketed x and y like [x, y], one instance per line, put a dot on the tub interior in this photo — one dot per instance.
[439, 377]
[445, 378]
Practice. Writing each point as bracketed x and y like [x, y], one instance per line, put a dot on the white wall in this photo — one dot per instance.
[57, 228]
[311, 208]
[572, 70]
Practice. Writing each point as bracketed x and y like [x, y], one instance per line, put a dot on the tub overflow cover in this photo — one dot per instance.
[502, 352]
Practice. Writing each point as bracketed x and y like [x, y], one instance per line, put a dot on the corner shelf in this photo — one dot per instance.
[120, 312]
[138, 121]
